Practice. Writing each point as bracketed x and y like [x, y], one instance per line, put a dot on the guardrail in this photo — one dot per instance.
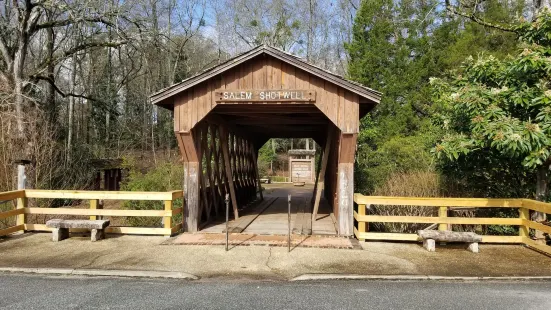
[22, 209]
[443, 204]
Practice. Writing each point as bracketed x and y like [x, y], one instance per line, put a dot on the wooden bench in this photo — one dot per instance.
[61, 228]
[430, 237]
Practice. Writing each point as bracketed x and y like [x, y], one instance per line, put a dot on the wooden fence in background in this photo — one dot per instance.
[524, 207]
[22, 210]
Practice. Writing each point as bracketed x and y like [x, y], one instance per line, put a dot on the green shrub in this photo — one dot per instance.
[277, 178]
[164, 177]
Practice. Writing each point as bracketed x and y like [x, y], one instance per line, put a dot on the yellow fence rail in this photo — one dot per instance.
[94, 211]
[524, 207]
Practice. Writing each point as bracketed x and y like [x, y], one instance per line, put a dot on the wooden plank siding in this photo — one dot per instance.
[340, 106]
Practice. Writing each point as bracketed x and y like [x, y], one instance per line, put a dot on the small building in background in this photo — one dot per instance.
[108, 170]
[302, 165]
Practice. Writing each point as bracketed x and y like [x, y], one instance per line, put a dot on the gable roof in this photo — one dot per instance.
[357, 88]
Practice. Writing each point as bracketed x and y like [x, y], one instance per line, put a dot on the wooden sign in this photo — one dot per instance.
[279, 95]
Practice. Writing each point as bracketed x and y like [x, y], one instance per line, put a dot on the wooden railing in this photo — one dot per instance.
[22, 209]
[524, 207]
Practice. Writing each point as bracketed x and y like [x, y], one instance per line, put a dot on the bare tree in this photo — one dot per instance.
[21, 21]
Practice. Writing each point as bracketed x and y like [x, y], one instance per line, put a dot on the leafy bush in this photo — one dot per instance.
[501, 109]
[164, 177]
[378, 158]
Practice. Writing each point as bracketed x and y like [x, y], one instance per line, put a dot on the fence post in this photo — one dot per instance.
[21, 204]
[94, 205]
[289, 223]
[361, 224]
[167, 220]
[524, 214]
[442, 212]
[227, 201]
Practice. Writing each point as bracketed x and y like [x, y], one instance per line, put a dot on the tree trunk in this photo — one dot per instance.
[19, 60]
[50, 92]
[70, 120]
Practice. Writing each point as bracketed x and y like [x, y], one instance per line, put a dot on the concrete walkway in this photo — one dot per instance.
[262, 262]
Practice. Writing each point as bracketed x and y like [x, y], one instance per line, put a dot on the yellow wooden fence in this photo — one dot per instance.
[22, 209]
[443, 204]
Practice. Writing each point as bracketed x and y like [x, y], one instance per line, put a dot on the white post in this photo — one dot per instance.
[21, 184]
[21, 177]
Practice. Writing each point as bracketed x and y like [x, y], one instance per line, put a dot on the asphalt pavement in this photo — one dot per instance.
[49, 292]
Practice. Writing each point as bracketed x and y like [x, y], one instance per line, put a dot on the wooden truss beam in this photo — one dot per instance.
[318, 187]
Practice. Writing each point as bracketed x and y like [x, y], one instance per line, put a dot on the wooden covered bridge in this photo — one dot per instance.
[224, 115]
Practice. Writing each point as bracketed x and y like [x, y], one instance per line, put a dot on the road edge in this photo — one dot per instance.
[102, 273]
[321, 277]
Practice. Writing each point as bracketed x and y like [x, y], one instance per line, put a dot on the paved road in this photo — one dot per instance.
[39, 292]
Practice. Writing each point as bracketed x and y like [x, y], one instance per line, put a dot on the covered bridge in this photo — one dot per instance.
[224, 115]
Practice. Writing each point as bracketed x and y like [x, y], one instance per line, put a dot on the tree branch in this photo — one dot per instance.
[4, 77]
[63, 94]
[6, 54]
[67, 22]
[472, 16]
[76, 49]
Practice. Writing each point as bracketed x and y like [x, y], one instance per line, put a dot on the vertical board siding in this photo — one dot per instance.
[269, 68]
[265, 72]
[317, 84]
[231, 79]
[276, 74]
[259, 74]
[302, 79]
[341, 110]
[177, 107]
[288, 76]
[331, 102]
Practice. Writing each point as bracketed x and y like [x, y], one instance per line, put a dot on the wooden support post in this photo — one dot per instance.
[361, 225]
[227, 166]
[205, 207]
[318, 187]
[345, 184]
[257, 176]
[523, 230]
[191, 180]
[191, 196]
[443, 212]
[167, 220]
[94, 204]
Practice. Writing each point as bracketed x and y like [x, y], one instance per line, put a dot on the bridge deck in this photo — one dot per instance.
[273, 219]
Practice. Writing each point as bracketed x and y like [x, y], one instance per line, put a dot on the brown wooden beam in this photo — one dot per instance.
[262, 108]
[318, 187]
[227, 165]
[280, 121]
